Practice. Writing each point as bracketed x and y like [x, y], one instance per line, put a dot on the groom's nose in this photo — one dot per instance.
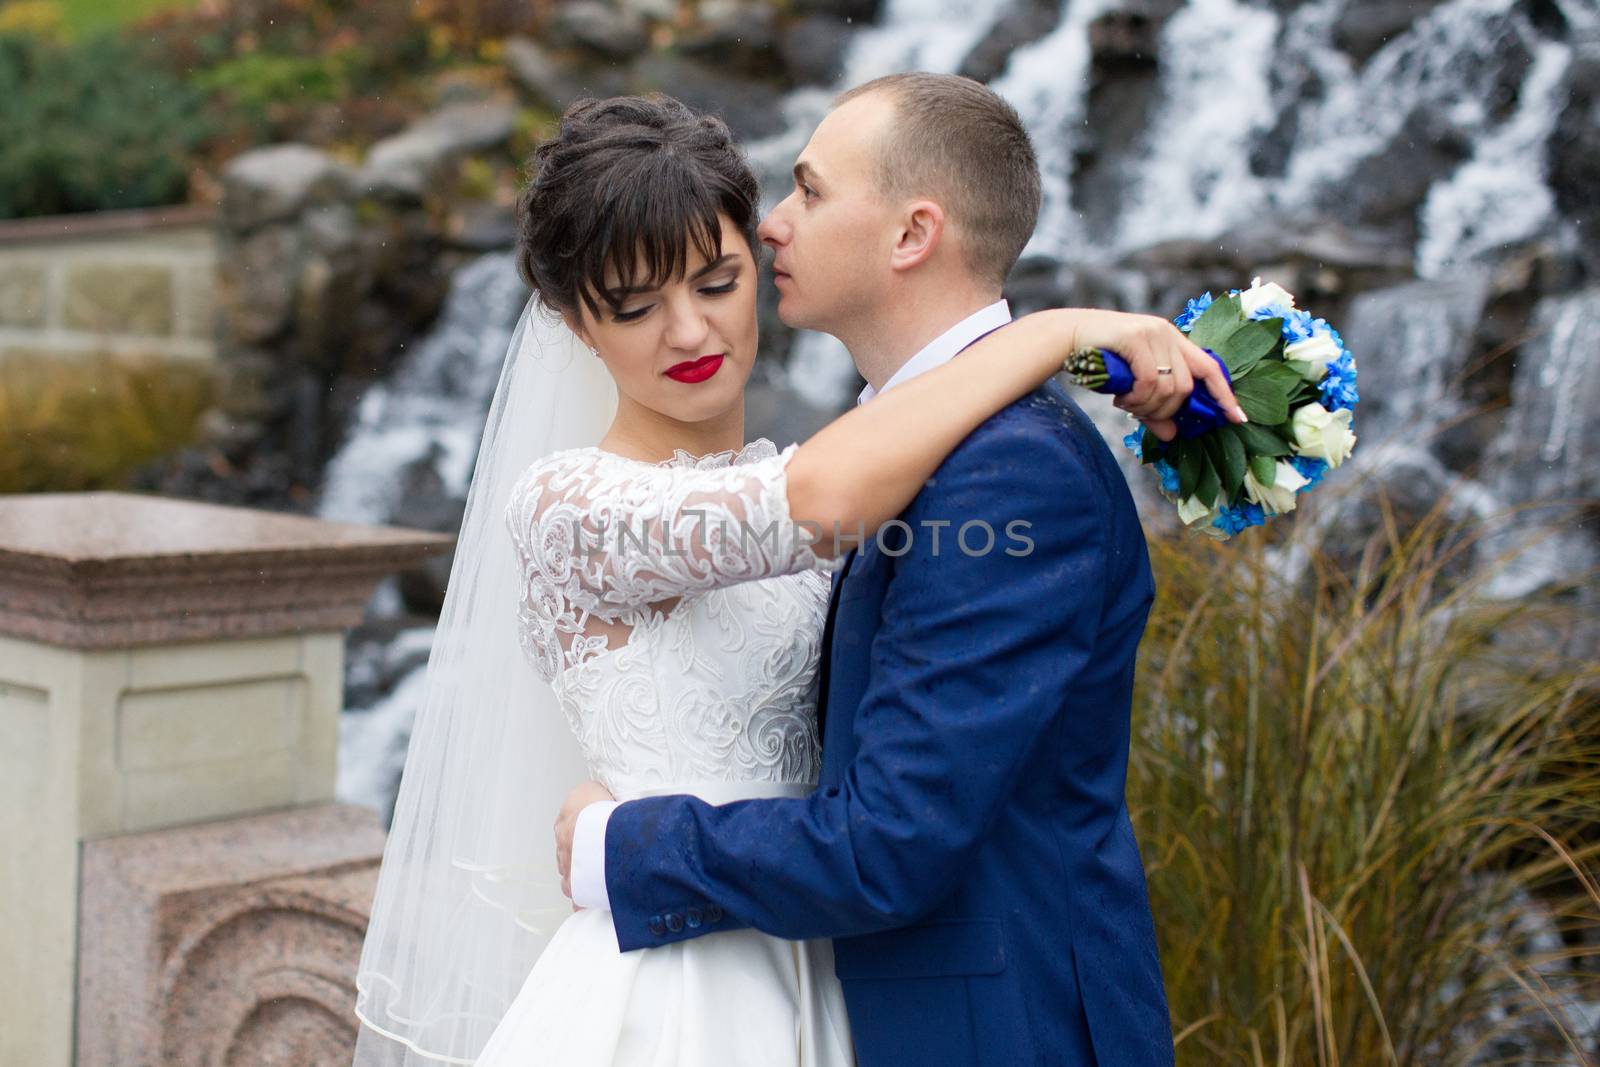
[773, 231]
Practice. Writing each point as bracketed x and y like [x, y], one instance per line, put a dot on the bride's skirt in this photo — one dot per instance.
[737, 997]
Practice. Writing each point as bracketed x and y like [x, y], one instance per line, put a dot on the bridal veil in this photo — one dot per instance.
[468, 894]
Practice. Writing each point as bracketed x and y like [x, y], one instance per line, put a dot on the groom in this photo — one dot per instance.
[968, 848]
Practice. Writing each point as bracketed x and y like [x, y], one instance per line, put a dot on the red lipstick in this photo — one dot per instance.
[696, 370]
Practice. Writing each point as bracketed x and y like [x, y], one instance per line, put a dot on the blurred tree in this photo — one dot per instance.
[91, 126]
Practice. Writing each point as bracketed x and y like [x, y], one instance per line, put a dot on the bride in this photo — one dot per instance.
[637, 597]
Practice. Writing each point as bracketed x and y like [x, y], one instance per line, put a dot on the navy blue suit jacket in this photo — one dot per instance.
[968, 847]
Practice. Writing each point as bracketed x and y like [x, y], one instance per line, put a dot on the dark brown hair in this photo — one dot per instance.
[958, 142]
[628, 185]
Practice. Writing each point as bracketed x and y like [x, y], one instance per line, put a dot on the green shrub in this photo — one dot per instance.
[1367, 805]
[69, 424]
[259, 84]
[91, 126]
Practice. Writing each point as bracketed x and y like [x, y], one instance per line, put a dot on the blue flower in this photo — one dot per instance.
[1134, 441]
[1231, 520]
[1193, 310]
[1338, 389]
[1297, 326]
[1270, 311]
[1169, 475]
[1310, 469]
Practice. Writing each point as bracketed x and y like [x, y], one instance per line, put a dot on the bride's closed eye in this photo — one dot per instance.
[635, 314]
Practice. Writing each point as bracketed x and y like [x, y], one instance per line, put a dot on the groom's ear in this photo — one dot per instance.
[921, 230]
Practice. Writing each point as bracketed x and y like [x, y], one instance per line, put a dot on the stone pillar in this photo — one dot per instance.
[165, 664]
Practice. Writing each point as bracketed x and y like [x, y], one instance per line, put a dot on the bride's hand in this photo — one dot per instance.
[567, 823]
[1149, 343]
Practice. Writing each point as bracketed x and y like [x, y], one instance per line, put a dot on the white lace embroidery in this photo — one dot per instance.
[676, 612]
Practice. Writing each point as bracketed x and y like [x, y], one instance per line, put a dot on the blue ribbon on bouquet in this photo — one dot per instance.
[1103, 371]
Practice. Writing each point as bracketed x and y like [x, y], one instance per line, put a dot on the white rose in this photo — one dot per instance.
[1191, 511]
[1318, 351]
[1259, 296]
[1323, 434]
[1277, 498]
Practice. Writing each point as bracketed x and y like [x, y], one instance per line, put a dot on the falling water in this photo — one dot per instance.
[1477, 70]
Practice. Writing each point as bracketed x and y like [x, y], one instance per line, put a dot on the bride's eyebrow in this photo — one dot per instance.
[621, 293]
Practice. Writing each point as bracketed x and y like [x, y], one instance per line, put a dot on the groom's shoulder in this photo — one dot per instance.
[1043, 428]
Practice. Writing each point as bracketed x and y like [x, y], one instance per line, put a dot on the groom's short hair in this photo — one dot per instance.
[957, 141]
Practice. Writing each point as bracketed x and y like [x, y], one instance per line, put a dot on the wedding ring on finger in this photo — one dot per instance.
[1163, 370]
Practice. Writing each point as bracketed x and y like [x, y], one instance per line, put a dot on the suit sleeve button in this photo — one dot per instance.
[657, 927]
[674, 922]
[693, 918]
[713, 913]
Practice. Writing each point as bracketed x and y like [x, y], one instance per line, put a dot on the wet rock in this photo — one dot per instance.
[411, 164]
[482, 227]
[739, 38]
[1413, 344]
[1245, 248]
[273, 184]
[1395, 182]
[609, 31]
[1552, 449]
[1574, 155]
[425, 503]
[752, 110]
[1023, 21]
[812, 49]
[553, 82]
[851, 11]
[1365, 26]
[256, 282]
[1123, 90]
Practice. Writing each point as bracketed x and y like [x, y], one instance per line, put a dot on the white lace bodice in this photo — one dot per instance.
[676, 611]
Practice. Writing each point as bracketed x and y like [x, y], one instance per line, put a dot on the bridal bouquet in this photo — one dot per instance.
[1295, 381]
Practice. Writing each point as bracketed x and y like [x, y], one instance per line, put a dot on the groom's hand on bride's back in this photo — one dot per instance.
[566, 825]
[1165, 364]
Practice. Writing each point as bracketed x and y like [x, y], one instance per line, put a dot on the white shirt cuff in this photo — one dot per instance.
[589, 856]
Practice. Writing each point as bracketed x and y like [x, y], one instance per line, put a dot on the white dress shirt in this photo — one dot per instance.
[589, 835]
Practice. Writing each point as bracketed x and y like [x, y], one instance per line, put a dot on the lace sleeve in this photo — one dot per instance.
[611, 536]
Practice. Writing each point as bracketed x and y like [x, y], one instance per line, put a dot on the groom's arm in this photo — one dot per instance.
[968, 669]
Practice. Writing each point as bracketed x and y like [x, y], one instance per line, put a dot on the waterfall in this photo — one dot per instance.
[413, 442]
[429, 413]
[1194, 178]
[1255, 114]
[1498, 197]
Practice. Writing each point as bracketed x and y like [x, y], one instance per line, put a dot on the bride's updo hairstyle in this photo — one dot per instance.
[626, 186]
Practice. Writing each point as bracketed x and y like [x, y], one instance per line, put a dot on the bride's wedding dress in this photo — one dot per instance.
[677, 617]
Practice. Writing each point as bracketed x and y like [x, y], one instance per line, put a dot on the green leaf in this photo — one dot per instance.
[1265, 468]
[1306, 393]
[1299, 366]
[1190, 458]
[1229, 456]
[1279, 374]
[1248, 344]
[1151, 447]
[1260, 441]
[1210, 485]
[1265, 403]
[1217, 324]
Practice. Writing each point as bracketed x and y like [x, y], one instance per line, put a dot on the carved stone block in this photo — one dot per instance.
[226, 944]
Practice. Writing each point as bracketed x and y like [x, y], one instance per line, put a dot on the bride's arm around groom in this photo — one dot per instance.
[970, 823]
